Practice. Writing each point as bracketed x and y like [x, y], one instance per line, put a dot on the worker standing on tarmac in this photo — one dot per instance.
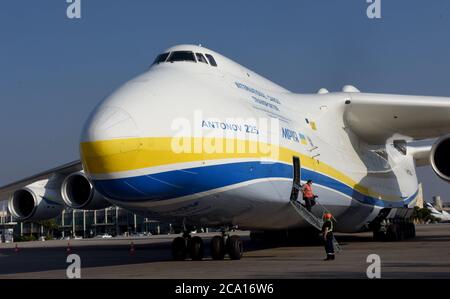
[308, 195]
[327, 231]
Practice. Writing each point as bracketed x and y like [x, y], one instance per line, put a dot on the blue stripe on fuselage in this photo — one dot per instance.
[178, 183]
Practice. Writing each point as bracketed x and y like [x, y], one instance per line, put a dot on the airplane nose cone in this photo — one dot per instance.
[102, 144]
[109, 122]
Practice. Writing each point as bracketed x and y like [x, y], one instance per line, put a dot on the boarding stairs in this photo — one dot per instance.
[310, 217]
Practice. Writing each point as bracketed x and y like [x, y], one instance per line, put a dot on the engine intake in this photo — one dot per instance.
[22, 204]
[440, 158]
[78, 193]
[35, 203]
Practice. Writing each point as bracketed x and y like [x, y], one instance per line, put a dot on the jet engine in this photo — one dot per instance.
[440, 158]
[35, 202]
[78, 193]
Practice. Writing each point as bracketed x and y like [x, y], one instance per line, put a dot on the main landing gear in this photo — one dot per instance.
[194, 248]
[395, 231]
[393, 225]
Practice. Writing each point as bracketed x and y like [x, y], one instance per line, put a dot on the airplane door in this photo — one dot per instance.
[296, 180]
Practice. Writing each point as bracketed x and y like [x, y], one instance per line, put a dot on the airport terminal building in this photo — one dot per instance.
[112, 221]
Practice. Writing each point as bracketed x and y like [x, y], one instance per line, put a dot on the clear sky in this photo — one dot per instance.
[53, 70]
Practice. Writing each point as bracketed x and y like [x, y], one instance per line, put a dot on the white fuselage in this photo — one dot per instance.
[191, 143]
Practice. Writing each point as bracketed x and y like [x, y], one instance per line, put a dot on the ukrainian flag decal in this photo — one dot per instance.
[303, 139]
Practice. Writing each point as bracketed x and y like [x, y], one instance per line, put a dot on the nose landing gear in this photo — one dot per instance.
[196, 248]
[185, 246]
[231, 245]
[217, 248]
[235, 247]
[179, 248]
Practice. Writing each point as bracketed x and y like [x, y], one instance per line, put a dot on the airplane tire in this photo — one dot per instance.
[409, 230]
[392, 232]
[396, 232]
[217, 248]
[179, 249]
[412, 230]
[196, 249]
[400, 232]
[235, 247]
[379, 236]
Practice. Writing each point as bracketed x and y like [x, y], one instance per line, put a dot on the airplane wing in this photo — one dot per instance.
[61, 170]
[377, 117]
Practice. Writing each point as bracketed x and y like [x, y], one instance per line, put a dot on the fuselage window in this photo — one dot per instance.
[211, 60]
[182, 56]
[161, 58]
[201, 58]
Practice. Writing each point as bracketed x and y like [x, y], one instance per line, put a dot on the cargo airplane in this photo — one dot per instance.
[198, 140]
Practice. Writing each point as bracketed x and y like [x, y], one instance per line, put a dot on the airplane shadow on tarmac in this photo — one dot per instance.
[54, 258]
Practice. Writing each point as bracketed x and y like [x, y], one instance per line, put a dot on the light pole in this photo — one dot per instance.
[73, 223]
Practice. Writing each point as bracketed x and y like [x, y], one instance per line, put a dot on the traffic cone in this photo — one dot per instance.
[132, 250]
[16, 248]
[68, 250]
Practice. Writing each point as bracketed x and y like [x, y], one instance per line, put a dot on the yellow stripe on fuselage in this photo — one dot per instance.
[120, 155]
[136, 153]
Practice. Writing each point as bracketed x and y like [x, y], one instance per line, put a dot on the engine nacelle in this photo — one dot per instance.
[440, 158]
[78, 193]
[35, 202]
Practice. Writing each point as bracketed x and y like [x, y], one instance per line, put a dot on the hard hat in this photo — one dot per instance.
[327, 216]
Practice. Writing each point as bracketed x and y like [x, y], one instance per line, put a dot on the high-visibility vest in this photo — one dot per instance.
[307, 191]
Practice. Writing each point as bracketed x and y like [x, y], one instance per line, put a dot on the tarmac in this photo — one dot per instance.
[426, 256]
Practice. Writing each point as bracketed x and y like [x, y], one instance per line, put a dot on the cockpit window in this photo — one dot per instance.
[161, 58]
[211, 60]
[182, 56]
[201, 58]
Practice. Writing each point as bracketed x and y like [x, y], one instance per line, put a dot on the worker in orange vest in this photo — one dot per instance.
[308, 195]
[327, 232]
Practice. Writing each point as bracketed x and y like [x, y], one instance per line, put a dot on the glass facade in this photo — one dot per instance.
[112, 221]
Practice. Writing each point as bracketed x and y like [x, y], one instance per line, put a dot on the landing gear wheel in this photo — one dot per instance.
[392, 232]
[408, 231]
[400, 231]
[217, 248]
[179, 249]
[235, 247]
[196, 248]
[379, 236]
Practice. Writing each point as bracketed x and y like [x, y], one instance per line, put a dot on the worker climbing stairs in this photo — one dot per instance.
[301, 210]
